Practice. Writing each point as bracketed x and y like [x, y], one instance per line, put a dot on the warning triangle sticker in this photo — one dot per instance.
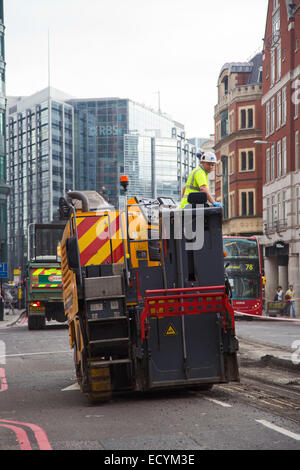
[171, 331]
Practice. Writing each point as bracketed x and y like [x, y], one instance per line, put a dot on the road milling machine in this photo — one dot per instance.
[145, 295]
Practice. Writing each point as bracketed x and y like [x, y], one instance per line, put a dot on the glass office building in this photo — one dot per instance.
[40, 163]
[100, 127]
[158, 166]
[4, 188]
[57, 143]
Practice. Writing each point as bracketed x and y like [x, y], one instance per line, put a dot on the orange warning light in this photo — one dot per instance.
[124, 182]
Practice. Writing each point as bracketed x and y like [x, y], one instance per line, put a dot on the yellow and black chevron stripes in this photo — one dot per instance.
[100, 239]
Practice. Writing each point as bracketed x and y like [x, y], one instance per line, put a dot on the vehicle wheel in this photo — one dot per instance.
[31, 323]
[41, 322]
[36, 322]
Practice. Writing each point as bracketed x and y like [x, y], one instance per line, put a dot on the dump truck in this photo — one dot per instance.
[145, 295]
[43, 284]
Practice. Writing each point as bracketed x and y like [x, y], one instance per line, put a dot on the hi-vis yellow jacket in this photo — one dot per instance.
[196, 180]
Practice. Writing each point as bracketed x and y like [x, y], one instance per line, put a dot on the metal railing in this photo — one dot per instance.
[276, 226]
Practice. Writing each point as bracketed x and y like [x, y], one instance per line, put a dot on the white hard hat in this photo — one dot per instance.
[208, 157]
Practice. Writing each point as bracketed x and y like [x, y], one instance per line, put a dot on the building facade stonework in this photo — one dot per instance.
[4, 187]
[238, 125]
[281, 131]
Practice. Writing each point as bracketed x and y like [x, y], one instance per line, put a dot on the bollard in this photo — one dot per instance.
[1, 309]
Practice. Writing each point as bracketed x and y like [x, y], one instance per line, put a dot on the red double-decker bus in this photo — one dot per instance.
[243, 266]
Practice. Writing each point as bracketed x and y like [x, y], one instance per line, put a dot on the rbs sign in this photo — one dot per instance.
[105, 131]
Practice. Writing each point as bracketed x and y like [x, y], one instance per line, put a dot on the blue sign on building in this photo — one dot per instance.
[3, 270]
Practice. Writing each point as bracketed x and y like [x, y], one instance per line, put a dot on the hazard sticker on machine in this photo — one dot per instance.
[171, 331]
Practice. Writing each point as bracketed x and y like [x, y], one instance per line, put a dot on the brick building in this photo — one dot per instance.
[238, 124]
[281, 129]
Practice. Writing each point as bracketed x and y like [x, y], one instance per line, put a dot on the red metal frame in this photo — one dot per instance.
[187, 301]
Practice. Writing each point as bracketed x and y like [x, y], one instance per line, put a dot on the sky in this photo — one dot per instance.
[150, 51]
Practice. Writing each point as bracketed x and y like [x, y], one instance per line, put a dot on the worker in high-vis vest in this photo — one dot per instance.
[198, 179]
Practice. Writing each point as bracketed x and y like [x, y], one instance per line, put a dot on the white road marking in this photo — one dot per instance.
[278, 429]
[94, 416]
[222, 403]
[35, 354]
[75, 386]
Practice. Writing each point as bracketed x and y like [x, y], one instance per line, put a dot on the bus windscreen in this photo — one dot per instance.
[241, 248]
[245, 288]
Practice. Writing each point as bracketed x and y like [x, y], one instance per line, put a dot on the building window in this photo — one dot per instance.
[284, 106]
[268, 174]
[2, 123]
[297, 205]
[279, 111]
[272, 115]
[247, 203]
[244, 204]
[244, 161]
[268, 115]
[272, 67]
[225, 84]
[243, 119]
[296, 101]
[283, 54]
[284, 156]
[276, 23]
[279, 163]
[279, 206]
[268, 211]
[247, 118]
[224, 124]
[247, 160]
[284, 203]
[274, 211]
[2, 169]
[279, 62]
[250, 118]
[250, 203]
[273, 162]
[297, 150]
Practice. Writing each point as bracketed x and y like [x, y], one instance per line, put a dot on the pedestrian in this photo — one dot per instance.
[290, 297]
[279, 295]
[198, 179]
[10, 300]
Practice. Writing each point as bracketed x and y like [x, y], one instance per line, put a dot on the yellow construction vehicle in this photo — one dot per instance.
[146, 310]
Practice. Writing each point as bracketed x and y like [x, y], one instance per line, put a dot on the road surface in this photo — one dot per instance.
[42, 408]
